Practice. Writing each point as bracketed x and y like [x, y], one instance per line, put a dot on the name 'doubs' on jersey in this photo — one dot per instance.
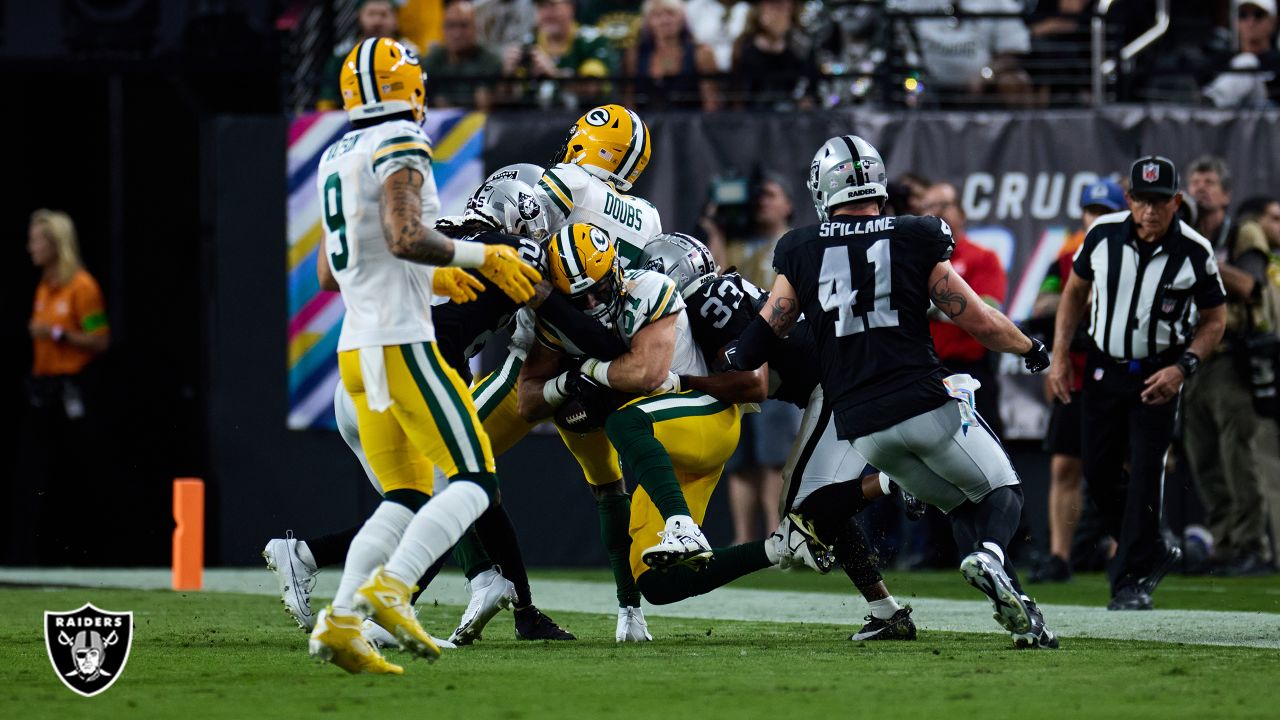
[572, 195]
[647, 297]
[388, 300]
[863, 283]
[463, 329]
[721, 308]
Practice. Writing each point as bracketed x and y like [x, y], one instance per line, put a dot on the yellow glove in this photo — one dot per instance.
[504, 268]
[456, 284]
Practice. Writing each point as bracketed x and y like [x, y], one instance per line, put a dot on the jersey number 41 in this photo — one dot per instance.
[836, 289]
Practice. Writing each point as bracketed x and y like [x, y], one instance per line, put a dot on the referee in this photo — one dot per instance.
[1150, 286]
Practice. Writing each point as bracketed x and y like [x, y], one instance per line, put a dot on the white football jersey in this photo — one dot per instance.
[572, 195]
[647, 296]
[388, 299]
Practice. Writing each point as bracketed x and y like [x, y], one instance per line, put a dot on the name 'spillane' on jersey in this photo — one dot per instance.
[863, 284]
[1146, 297]
[388, 300]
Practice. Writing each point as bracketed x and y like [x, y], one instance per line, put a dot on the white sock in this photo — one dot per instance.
[371, 547]
[995, 550]
[304, 553]
[435, 529]
[771, 549]
[884, 608]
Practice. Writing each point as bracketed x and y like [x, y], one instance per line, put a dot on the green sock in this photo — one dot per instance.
[631, 432]
[615, 519]
[470, 554]
[727, 565]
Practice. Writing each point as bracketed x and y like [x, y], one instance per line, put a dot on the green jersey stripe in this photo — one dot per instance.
[433, 404]
[402, 153]
[554, 198]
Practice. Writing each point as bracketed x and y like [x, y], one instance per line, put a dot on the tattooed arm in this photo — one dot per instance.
[955, 299]
[401, 212]
[775, 320]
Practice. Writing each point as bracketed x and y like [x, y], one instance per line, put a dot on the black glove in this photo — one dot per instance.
[1037, 358]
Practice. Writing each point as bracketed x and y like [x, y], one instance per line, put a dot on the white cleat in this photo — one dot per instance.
[296, 577]
[382, 640]
[682, 543]
[798, 546]
[631, 626]
[490, 594]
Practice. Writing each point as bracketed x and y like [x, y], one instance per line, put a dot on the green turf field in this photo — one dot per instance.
[216, 655]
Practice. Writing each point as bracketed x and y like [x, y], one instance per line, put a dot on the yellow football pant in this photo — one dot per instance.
[700, 433]
[431, 419]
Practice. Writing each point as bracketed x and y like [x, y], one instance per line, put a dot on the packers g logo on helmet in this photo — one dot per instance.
[382, 77]
[584, 266]
[610, 142]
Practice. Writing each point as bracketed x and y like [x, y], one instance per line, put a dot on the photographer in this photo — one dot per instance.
[744, 221]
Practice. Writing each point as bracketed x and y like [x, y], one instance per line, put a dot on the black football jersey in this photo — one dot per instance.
[863, 283]
[720, 310]
[463, 329]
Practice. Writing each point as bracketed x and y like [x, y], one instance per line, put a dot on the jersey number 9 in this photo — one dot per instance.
[335, 221]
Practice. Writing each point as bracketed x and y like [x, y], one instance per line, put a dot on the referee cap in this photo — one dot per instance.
[1153, 175]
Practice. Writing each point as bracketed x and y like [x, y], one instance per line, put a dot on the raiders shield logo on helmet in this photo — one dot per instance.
[88, 647]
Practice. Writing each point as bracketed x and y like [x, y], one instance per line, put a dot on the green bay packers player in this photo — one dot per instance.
[673, 444]
[603, 155]
[412, 409]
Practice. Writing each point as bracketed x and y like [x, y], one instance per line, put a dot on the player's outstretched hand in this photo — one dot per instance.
[504, 268]
[456, 284]
[1037, 358]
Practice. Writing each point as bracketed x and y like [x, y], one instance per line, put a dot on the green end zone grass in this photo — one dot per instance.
[234, 656]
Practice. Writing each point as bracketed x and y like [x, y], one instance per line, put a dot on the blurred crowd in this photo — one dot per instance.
[785, 54]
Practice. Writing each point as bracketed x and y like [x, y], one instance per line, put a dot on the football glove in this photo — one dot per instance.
[504, 268]
[1037, 358]
[588, 405]
[456, 284]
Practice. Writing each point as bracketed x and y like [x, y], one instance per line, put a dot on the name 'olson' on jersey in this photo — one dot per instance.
[864, 284]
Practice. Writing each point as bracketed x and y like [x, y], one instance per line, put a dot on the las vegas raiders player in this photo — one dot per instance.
[865, 281]
[826, 482]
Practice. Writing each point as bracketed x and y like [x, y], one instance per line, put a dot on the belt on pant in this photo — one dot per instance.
[1142, 366]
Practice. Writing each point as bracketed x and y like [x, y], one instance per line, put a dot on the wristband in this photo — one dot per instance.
[56, 333]
[596, 370]
[553, 391]
[1189, 363]
[467, 254]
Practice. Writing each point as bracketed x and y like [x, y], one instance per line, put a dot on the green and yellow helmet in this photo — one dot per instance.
[610, 142]
[584, 266]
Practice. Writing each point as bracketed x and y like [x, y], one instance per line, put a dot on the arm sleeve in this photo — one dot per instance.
[590, 336]
[1082, 265]
[754, 346]
[402, 147]
[1208, 289]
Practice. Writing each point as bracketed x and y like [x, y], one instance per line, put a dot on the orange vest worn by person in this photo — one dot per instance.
[77, 305]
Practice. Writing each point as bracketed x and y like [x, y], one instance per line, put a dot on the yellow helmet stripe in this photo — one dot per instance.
[364, 65]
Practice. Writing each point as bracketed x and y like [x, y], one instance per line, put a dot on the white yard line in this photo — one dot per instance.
[1198, 627]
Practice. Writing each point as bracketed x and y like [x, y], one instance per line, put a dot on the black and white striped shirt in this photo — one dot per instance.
[1146, 296]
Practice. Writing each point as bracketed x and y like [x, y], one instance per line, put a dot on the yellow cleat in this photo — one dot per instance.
[385, 600]
[336, 638]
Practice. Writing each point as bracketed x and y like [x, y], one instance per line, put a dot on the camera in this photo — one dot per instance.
[734, 198]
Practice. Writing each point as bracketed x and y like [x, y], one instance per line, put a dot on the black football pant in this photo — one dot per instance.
[1119, 428]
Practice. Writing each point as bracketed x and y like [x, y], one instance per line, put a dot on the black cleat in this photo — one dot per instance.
[1172, 556]
[897, 627]
[1052, 570]
[913, 507]
[1130, 597]
[533, 624]
[1039, 636]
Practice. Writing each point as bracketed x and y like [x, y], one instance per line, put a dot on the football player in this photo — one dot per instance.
[825, 482]
[865, 282]
[412, 408]
[674, 444]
